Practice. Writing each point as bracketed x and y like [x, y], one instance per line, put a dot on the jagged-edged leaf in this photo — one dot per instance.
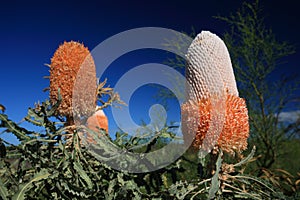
[166, 134]
[19, 132]
[120, 179]
[3, 191]
[78, 167]
[215, 182]
[137, 196]
[20, 195]
[181, 189]
[128, 184]
[34, 117]
[73, 189]
[109, 195]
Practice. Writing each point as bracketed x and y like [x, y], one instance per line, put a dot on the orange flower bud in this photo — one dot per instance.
[96, 121]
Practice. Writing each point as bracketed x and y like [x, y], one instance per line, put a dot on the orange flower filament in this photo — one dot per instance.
[235, 131]
[72, 68]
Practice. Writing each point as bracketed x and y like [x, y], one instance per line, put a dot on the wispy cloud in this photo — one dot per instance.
[289, 117]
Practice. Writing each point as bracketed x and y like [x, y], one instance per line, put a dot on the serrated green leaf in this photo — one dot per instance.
[120, 179]
[20, 195]
[78, 167]
[12, 127]
[167, 135]
[110, 191]
[3, 191]
[34, 118]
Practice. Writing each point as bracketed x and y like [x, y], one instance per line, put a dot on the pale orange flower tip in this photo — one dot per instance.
[96, 121]
[72, 67]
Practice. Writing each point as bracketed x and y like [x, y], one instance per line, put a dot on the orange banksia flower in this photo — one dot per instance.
[72, 69]
[235, 130]
[236, 127]
[96, 121]
[212, 98]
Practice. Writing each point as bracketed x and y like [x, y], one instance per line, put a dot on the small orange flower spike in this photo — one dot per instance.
[211, 90]
[96, 121]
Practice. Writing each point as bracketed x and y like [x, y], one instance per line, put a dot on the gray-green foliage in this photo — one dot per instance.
[46, 166]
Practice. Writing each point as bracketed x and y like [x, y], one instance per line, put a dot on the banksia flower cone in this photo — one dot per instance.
[72, 69]
[213, 114]
[96, 121]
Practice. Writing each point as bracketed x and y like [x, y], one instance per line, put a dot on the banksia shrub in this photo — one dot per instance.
[211, 84]
[46, 166]
[72, 69]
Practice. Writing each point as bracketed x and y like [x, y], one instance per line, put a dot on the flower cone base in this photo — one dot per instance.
[235, 131]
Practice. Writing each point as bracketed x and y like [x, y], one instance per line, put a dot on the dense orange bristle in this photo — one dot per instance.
[72, 68]
[232, 138]
[96, 121]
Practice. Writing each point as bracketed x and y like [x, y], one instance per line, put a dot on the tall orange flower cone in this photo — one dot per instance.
[212, 98]
[72, 68]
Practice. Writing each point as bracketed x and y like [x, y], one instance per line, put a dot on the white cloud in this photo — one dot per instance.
[289, 117]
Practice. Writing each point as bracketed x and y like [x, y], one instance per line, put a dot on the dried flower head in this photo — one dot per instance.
[212, 98]
[72, 68]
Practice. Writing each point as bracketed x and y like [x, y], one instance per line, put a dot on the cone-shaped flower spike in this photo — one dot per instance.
[212, 98]
[72, 68]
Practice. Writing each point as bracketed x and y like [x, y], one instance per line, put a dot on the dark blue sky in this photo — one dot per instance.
[30, 32]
